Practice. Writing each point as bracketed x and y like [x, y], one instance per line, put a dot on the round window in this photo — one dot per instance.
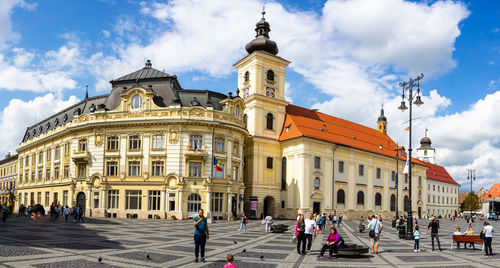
[136, 102]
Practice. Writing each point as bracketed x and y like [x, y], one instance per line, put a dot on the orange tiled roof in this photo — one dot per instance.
[494, 192]
[303, 122]
[438, 173]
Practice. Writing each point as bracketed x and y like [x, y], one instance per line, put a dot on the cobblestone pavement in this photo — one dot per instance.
[127, 242]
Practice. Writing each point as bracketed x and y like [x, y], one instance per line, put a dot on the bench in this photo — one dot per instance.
[467, 239]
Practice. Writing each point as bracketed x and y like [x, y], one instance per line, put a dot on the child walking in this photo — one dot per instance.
[417, 235]
[230, 260]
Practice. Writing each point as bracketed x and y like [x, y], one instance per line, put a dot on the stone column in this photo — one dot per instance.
[163, 200]
[209, 202]
[229, 205]
[180, 200]
[71, 195]
[89, 203]
[103, 201]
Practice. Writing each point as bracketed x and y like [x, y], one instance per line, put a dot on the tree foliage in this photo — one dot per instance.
[470, 203]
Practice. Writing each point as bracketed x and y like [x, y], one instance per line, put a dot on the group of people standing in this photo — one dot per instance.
[307, 229]
[56, 210]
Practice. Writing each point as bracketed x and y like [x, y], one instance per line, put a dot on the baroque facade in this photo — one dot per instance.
[8, 178]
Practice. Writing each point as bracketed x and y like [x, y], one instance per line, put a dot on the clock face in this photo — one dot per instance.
[245, 93]
[270, 92]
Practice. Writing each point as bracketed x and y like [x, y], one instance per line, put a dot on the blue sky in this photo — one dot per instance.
[351, 54]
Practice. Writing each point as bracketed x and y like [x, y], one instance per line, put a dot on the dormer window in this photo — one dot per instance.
[270, 75]
[136, 102]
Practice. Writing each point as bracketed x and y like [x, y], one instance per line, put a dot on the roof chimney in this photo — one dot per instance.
[148, 64]
[7, 155]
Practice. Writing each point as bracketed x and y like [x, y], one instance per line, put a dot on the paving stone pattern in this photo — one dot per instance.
[127, 242]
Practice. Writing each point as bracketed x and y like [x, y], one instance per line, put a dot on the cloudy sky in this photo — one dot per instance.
[351, 54]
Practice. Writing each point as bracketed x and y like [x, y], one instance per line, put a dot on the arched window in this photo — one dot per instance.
[269, 121]
[316, 183]
[340, 197]
[393, 203]
[406, 203]
[136, 102]
[270, 75]
[283, 173]
[237, 111]
[361, 198]
[194, 203]
[247, 76]
[378, 199]
[245, 120]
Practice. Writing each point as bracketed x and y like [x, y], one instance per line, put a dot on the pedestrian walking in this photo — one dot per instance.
[300, 227]
[268, 221]
[201, 235]
[80, 214]
[435, 232]
[57, 211]
[340, 219]
[320, 222]
[66, 213]
[488, 238]
[417, 234]
[243, 223]
[310, 231]
[375, 227]
[4, 212]
[52, 211]
[75, 213]
[332, 243]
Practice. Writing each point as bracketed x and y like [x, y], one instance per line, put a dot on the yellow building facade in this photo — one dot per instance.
[8, 179]
[145, 150]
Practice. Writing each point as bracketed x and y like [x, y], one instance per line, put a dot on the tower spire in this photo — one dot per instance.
[262, 41]
[86, 91]
[382, 121]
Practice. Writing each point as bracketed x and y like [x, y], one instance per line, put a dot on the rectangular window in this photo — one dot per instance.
[157, 168]
[66, 172]
[434, 187]
[134, 168]
[158, 142]
[236, 173]
[56, 172]
[113, 198]
[361, 170]
[27, 161]
[113, 143]
[40, 157]
[49, 154]
[419, 180]
[39, 198]
[269, 163]
[195, 141]
[406, 178]
[66, 149]
[82, 145]
[438, 188]
[112, 168]
[194, 169]
[379, 172]
[236, 148]
[341, 166]
[47, 174]
[47, 198]
[154, 200]
[40, 175]
[317, 162]
[133, 199]
[217, 202]
[171, 201]
[33, 176]
[96, 199]
[82, 170]
[57, 152]
[134, 142]
[393, 175]
[220, 174]
[219, 145]
[65, 198]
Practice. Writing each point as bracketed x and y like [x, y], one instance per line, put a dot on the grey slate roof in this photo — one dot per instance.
[165, 87]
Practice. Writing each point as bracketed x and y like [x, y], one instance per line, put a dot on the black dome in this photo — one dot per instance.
[262, 41]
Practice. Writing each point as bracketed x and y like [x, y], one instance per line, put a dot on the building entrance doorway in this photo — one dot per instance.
[419, 212]
[316, 207]
[234, 205]
[80, 200]
[269, 204]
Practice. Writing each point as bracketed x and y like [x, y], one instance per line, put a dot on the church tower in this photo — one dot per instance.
[425, 152]
[261, 84]
[382, 122]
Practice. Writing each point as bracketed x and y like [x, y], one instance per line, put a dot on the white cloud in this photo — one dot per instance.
[6, 32]
[18, 115]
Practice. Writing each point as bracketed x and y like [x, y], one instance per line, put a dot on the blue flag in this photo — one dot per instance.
[396, 181]
[195, 145]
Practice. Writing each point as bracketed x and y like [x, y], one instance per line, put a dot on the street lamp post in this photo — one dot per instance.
[407, 88]
[397, 180]
[471, 175]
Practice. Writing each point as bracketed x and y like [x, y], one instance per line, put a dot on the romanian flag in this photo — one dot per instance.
[216, 164]
[407, 129]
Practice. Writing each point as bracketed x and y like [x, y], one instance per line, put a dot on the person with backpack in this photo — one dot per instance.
[375, 227]
[244, 221]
